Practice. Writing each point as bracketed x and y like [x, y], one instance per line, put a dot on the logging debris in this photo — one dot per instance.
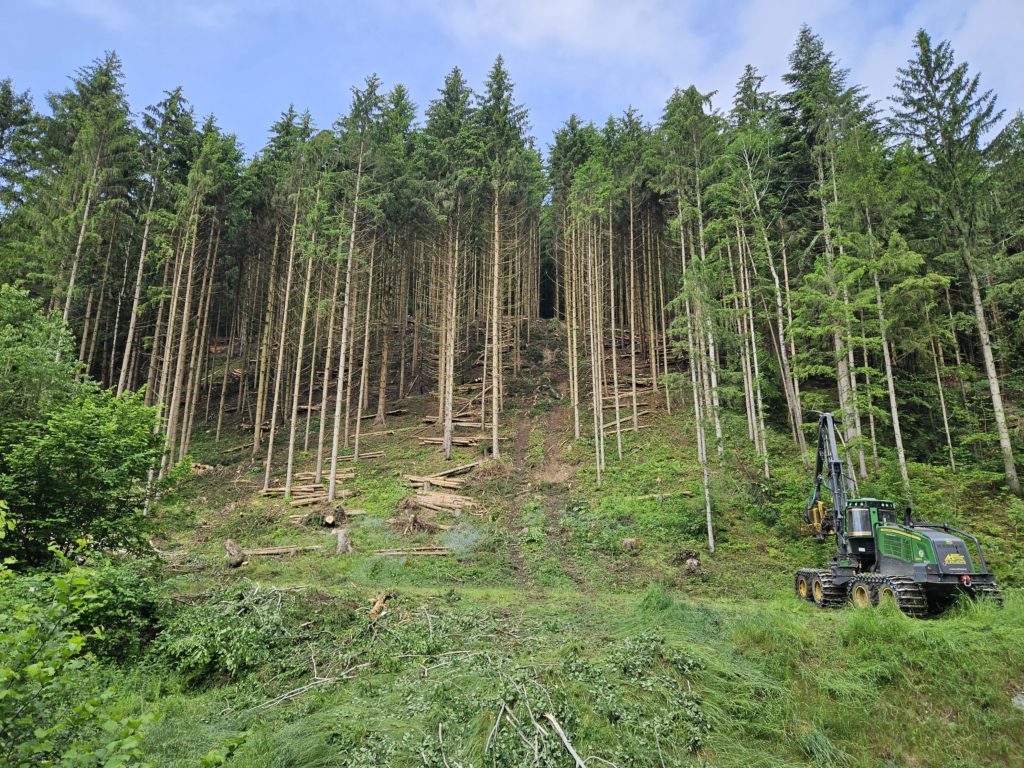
[377, 609]
[413, 523]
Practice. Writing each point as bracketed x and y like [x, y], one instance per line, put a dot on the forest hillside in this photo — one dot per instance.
[406, 441]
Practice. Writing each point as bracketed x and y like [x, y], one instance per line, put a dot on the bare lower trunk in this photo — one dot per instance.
[1009, 466]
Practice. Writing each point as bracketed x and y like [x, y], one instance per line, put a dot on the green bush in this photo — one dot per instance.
[123, 604]
[48, 713]
[79, 474]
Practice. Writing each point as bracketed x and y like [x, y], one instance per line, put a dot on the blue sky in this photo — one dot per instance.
[247, 60]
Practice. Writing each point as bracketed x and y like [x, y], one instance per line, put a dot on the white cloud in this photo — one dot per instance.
[593, 45]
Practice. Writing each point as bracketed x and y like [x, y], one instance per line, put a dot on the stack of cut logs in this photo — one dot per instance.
[446, 479]
[416, 512]
[305, 493]
[625, 403]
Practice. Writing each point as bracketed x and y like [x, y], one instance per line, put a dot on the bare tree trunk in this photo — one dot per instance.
[891, 383]
[122, 381]
[179, 368]
[343, 345]
[282, 339]
[496, 326]
[942, 404]
[615, 346]
[297, 385]
[328, 362]
[1009, 466]
[363, 368]
[632, 315]
[77, 257]
[452, 321]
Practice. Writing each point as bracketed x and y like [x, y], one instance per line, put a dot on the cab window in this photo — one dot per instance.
[858, 521]
[887, 516]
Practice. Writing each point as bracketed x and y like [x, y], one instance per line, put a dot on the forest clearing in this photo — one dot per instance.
[404, 442]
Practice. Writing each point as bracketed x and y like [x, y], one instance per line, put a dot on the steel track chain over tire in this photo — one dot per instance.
[863, 590]
[909, 596]
[824, 592]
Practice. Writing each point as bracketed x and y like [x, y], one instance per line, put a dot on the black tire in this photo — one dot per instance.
[824, 592]
[802, 584]
[863, 593]
[905, 593]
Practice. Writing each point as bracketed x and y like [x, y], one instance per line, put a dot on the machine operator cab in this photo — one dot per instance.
[861, 517]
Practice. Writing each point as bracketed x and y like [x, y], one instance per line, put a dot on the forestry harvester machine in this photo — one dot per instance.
[880, 555]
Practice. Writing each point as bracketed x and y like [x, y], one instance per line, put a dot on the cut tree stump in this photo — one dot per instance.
[235, 555]
[344, 546]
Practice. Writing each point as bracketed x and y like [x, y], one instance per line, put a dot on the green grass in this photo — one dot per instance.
[540, 609]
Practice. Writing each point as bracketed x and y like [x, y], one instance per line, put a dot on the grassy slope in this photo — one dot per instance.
[540, 610]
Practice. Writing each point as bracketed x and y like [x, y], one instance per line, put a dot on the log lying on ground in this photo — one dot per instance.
[624, 419]
[444, 479]
[341, 474]
[321, 498]
[436, 502]
[462, 442]
[460, 470]
[464, 423]
[665, 495]
[235, 555]
[310, 489]
[393, 412]
[424, 551]
[288, 549]
[427, 481]
[368, 454]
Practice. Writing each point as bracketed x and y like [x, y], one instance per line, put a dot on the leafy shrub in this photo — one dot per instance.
[234, 631]
[123, 604]
[38, 364]
[48, 716]
[79, 474]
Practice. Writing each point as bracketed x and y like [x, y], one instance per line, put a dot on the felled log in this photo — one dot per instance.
[462, 442]
[368, 454]
[290, 549]
[460, 470]
[424, 551]
[624, 419]
[434, 480]
[311, 489]
[308, 501]
[235, 555]
[341, 474]
[436, 501]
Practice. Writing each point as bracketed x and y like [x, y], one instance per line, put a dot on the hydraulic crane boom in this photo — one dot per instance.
[828, 469]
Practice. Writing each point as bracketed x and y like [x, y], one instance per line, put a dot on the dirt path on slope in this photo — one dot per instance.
[514, 512]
